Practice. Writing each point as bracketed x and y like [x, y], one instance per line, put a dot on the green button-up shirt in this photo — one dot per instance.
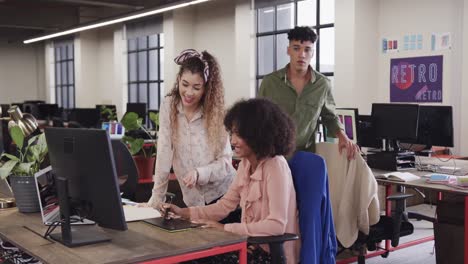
[315, 100]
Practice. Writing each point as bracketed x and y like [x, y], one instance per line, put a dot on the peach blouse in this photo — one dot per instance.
[268, 202]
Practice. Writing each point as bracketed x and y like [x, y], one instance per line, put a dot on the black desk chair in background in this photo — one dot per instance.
[127, 172]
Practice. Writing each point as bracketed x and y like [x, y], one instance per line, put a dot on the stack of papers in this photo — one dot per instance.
[135, 213]
[399, 176]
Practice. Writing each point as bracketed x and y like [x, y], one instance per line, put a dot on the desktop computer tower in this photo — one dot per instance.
[391, 160]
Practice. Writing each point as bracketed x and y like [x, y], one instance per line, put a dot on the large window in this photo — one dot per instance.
[273, 24]
[64, 74]
[146, 70]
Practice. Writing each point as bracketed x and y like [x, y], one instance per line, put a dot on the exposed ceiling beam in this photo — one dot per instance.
[100, 3]
[27, 27]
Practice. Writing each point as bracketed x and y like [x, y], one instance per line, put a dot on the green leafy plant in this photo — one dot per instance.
[108, 114]
[31, 153]
[132, 122]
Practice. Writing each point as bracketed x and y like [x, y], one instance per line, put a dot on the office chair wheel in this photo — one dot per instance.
[385, 255]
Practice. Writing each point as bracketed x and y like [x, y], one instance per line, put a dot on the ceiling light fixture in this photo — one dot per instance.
[131, 16]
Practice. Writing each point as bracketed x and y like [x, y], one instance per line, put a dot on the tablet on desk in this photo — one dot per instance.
[172, 225]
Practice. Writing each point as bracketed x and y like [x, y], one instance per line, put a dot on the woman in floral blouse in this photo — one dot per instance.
[191, 137]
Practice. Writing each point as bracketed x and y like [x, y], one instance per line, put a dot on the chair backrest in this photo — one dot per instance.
[318, 241]
[126, 168]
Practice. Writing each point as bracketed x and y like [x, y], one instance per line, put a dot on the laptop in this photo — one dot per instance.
[172, 225]
[48, 199]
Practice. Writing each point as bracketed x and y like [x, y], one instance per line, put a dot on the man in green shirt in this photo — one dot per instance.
[305, 94]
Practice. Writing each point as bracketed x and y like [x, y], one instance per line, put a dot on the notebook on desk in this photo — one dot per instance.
[48, 199]
[172, 225]
[398, 176]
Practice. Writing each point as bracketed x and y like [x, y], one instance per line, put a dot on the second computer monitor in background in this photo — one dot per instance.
[139, 108]
[48, 111]
[395, 121]
[85, 117]
[366, 133]
[435, 127]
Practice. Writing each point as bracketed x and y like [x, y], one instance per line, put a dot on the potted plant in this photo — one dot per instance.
[107, 114]
[143, 154]
[20, 168]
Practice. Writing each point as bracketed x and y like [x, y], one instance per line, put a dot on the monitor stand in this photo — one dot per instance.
[82, 235]
[391, 159]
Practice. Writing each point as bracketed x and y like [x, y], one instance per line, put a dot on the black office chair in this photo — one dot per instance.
[388, 228]
[126, 169]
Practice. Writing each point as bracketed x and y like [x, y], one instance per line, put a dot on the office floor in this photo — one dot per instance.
[422, 253]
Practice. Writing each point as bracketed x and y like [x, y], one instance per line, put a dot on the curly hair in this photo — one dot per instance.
[302, 34]
[263, 125]
[212, 100]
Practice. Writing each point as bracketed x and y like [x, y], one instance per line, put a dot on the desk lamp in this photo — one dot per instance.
[26, 122]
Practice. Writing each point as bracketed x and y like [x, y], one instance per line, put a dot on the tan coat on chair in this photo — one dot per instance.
[353, 193]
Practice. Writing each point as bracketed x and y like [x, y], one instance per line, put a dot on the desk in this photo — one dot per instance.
[140, 243]
[420, 184]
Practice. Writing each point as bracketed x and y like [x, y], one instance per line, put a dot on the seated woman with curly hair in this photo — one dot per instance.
[261, 134]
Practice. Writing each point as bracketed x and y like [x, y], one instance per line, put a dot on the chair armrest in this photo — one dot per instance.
[397, 216]
[399, 196]
[272, 239]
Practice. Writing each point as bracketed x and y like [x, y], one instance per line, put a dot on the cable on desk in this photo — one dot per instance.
[55, 224]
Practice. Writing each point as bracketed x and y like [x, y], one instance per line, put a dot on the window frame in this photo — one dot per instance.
[70, 86]
[317, 28]
[159, 81]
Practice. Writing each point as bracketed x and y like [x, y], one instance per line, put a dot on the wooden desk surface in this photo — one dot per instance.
[421, 183]
[141, 242]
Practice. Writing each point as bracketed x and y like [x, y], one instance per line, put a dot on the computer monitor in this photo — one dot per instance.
[435, 126]
[139, 108]
[366, 133]
[34, 102]
[83, 163]
[395, 121]
[47, 111]
[85, 117]
[348, 118]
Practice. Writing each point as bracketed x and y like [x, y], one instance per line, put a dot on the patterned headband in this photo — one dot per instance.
[190, 53]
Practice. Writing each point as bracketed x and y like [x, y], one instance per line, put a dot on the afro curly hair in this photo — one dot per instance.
[263, 125]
